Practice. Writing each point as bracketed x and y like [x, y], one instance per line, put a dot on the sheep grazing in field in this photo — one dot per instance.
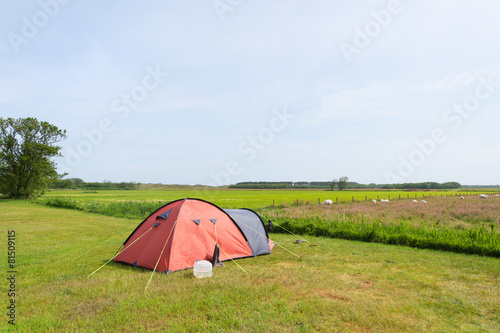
[327, 202]
[462, 197]
[483, 196]
[374, 201]
[423, 201]
[415, 201]
[384, 200]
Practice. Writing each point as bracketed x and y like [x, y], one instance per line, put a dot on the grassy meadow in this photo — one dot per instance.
[470, 225]
[337, 285]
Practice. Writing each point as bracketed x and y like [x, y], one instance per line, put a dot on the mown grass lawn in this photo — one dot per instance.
[337, 285]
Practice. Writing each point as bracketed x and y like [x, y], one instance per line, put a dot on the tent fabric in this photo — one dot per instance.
[173, 237]
[253, 227]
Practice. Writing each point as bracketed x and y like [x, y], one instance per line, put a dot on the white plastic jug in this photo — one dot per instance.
[202, 269]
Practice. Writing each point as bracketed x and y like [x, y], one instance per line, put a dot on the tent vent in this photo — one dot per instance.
[196, 221]
[168, 271]
[156, 224]
[164, 215]
[213, 220]
[135, 263]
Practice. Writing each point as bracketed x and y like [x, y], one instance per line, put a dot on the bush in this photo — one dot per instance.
[61, 202]
[125, 209]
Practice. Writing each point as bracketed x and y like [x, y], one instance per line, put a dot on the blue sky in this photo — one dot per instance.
[218, 92]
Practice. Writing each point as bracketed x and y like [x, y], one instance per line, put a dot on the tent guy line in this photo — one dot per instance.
[273, 239]
[120, 251]
[223, 250]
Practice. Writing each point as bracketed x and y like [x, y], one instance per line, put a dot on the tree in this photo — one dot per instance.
[342, 183]
[333, 183]
[26, 149]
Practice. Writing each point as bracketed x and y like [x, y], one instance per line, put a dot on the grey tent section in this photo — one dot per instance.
[253, 228]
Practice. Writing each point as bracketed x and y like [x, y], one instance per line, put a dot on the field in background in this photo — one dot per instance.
[232, 198]
[338, 285]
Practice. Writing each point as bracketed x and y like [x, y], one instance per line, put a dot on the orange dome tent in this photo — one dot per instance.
[177, 234]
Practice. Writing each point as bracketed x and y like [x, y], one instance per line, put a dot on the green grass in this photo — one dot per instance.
[338, 285]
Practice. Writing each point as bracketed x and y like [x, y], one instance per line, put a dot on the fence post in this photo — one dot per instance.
[353, 198]
[273, 203]
[337, 199]
[366, 198]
